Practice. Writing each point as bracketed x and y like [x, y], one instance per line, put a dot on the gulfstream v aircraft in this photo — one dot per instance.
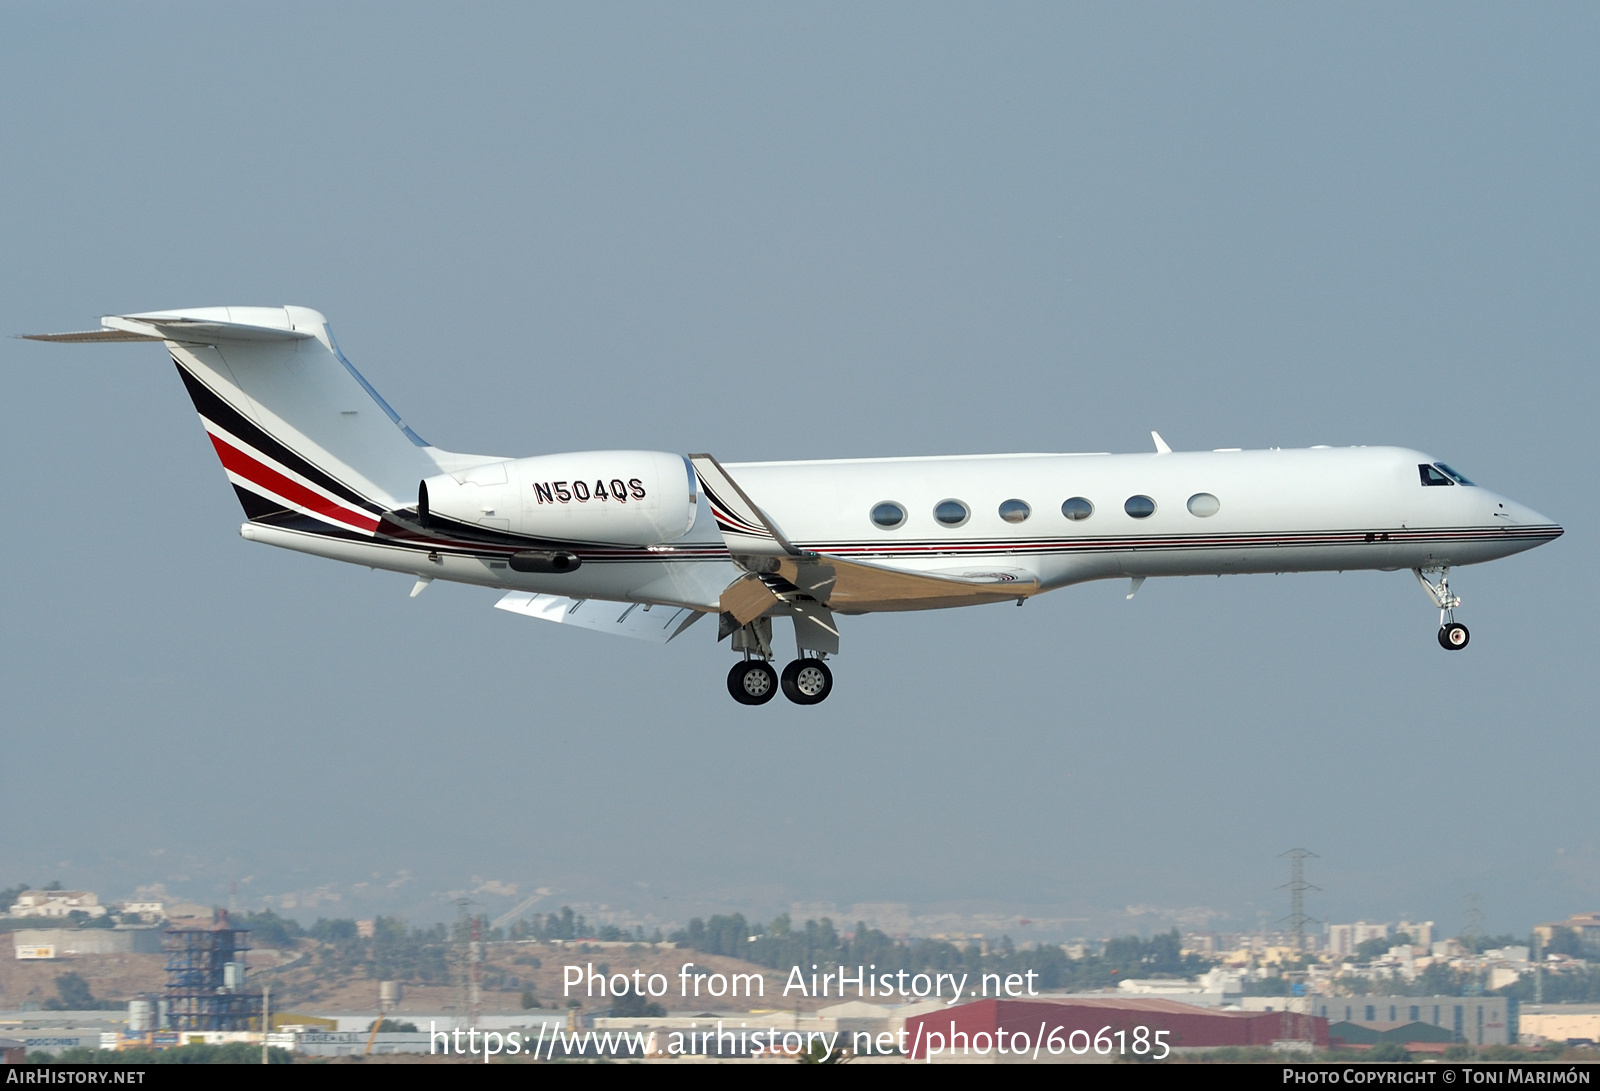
[645, 543]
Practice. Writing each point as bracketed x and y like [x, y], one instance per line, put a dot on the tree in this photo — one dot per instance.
[1367, 950]
[1438, 980]
[821, 1054]
[1159, 955]
[1269, 986]
[393, 1026]
[267, 929]
[73, 994]
[567, 925]
[1564, 941]
[334, 931]
[630, 1005]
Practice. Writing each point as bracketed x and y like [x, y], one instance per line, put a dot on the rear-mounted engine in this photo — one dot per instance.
[618, 497]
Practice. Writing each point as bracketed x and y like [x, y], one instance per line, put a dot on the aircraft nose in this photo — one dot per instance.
[1520, 515]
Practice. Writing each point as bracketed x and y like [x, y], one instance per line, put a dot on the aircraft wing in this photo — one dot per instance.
[858, 587]
[640, 621]
[782, 573]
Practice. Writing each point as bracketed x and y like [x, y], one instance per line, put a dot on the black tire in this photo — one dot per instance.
[752, 682]
[1453, 637]
[807, 681]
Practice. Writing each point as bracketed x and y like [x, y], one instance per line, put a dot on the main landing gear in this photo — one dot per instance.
[806, 681]
[1453, 635]
[752, 682]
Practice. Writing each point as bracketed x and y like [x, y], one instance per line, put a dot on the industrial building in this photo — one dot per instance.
[1415, 1037]
[1476, 1020]
[1573, 1023]
[1081, 1021]
[33, 943]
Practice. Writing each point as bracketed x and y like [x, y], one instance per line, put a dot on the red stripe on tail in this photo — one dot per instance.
[267, 478]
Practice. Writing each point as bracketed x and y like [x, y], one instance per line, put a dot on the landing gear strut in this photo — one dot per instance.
[1453, 635]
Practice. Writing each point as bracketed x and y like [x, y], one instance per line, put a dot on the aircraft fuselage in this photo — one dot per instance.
[1300, 510]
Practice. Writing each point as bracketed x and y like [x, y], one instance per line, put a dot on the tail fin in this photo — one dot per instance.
[300, 433]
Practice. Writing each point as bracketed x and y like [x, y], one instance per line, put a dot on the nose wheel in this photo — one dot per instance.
[1453, 635]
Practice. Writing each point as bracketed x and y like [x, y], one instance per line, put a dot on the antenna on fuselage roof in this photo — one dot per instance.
[1161, 444]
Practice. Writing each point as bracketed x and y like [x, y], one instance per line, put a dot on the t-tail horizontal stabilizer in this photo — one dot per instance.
[642, 622]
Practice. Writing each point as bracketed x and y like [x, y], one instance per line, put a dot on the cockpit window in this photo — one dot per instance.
[1457, 478]
[1431, 476]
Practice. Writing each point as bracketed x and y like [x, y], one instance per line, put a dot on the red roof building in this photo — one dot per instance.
[1089, 1028]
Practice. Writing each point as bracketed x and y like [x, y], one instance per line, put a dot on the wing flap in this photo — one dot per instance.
[746, 599]
[858, 587]
[658, 624]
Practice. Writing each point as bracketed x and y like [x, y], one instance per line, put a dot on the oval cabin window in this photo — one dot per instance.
[1077, 509]
[888, 514]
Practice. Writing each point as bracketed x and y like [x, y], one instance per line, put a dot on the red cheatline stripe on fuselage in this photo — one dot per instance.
[996, 549]
[1002, 547]
[992, 550]
[264, 479]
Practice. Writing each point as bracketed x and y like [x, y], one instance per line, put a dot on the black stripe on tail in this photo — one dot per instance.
[212, 407]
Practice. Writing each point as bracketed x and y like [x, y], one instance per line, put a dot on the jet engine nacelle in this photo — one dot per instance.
[625, 497]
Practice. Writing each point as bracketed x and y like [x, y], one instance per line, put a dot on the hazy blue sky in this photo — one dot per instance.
[806, 231]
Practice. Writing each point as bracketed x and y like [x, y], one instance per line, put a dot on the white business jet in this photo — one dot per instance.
[645, 543]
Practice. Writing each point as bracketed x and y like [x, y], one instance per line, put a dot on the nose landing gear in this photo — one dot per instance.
[1453, 635]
